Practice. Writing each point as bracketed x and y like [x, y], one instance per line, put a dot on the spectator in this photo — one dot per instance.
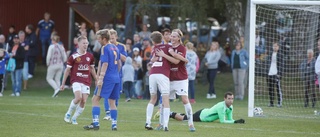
[194, 40]
[308, 76]
[146, 89]
[82, 31]
[239, 65]
[3, 59]
[136, 42]
[128, 78]
[145, 54]
[211, 62]
[275, 66]
[17, 53]
[163, 25]
[10, 36]
[138, 76]
[55, 59]
[3, 44]
[129, 47]
[44, 30]
[144, 33]
[191, 69]
[33, 49]
[201, 50]
[25, 71]
[92, 34]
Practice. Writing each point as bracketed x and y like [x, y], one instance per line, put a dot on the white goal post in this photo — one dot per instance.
[253, 8]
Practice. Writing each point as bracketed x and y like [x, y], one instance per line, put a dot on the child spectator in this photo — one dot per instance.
[3, 59]
[128, 78]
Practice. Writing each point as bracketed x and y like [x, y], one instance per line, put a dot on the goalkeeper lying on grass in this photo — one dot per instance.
[222, 111]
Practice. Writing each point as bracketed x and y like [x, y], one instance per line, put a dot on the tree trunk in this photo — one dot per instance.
[234, 18]
[129, 19]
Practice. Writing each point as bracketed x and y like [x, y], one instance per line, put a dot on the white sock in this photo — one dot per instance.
[72, 107]
[76, 114]
[161, 114]
[149, 113]
[166, 114]
[189, 113]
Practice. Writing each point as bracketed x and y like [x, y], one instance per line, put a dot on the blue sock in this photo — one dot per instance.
[95, 115]
[106, 105]
[114, 115]
[117, 102]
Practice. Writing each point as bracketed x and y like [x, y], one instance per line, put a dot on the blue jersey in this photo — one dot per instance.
[3, 63]
[45, 29]
[122, 49]
[110, 54]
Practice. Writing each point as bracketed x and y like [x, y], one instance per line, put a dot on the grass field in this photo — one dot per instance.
[36, 114]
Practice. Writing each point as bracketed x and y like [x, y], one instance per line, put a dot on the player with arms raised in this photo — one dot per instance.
[79, 65]
[108, 81]
[159, 78]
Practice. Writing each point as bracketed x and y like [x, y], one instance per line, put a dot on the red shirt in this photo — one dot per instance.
[80, 67]
[162, 65]
[179, 71]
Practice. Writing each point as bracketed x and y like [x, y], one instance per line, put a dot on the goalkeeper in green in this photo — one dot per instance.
[222, 111]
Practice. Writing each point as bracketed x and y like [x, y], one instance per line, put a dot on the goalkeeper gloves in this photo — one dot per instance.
[239, 121]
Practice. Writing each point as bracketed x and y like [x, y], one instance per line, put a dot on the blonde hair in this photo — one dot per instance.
[113, 32]
[105, 33]
[55, 38]
[156, 37]
[81, 38]
[180, 34]
[189, 45]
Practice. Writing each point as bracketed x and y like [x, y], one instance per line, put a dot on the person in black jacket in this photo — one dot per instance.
[33, 49]
[18, 53]
[274, 66]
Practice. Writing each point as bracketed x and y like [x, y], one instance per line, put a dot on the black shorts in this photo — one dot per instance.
[196, 116]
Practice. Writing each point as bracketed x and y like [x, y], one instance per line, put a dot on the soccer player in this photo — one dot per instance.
[222, 111]
[159, 78]
[166, 36]
[79, 65]
[108, 81]
[123, 55]
[179, 77]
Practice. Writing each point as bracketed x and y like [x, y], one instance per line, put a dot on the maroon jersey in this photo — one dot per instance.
[80, 67]
[179, 71]
[162, 65]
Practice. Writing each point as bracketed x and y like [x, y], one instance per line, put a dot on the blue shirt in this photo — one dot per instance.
[122, 49]
[110, 54]
[3, 63]
[45, 29]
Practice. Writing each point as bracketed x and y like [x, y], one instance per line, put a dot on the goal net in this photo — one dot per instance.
[296, 30]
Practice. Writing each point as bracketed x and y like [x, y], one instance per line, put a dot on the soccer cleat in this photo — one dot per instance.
[56, 92]
[74, 122]
[108, 116]
[91, 126]
[166, 129]
[156, 115]
[114, 128]
[159, 127]
[148, 127]
[67, 118]
[192, 128]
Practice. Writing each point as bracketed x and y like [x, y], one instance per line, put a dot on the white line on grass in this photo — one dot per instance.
[197, 125]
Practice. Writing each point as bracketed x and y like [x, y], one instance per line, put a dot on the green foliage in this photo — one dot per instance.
[114, 6]
[36, 114]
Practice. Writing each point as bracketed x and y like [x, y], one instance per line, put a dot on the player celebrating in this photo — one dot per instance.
[179, 77]
[80, 65]
[108, 81]
[159, 78]
[222, 111]
[123, 55]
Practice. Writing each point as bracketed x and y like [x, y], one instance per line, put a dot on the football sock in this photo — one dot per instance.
[114, 115]
[95, 115]
[106, 105]
[161, 114]
[166, 113]
[72, 107]
[79, 110]
[149, 113]
[189, 113]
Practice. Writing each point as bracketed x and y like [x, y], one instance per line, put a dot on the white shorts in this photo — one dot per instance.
[179, 87]
[84, 89]
[159, 81]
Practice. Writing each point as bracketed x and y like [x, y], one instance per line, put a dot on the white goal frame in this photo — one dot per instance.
[252, 28]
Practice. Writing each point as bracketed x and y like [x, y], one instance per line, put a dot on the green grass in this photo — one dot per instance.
[36, 114]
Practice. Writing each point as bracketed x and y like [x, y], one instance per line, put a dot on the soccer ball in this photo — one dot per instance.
[257, 111]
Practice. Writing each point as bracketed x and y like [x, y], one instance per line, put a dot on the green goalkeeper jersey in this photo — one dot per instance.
[219, 111]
